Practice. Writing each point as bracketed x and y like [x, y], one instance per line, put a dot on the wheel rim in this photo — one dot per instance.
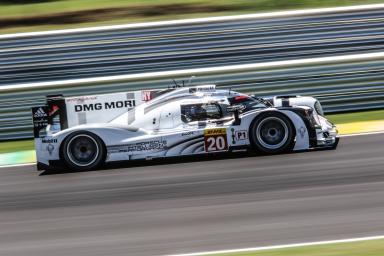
[82, 150]
[272, 133]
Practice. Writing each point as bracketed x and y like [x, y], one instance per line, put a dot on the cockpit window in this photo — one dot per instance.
[200, 112]
[247, 101]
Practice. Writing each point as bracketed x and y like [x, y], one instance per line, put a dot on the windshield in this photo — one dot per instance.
[248, 101]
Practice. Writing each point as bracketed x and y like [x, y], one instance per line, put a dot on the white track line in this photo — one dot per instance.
[273, 247]
[198, 20]
[17, 165]
[360, 134]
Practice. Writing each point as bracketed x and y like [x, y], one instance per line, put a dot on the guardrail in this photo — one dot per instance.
[341, 83]
[191, 43]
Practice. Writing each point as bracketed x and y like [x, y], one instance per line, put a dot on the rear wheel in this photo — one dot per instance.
[272, 133]
[83, 151]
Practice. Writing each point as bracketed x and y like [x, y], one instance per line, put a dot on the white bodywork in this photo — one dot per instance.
[136, 125]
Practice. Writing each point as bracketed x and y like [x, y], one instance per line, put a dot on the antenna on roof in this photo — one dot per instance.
[190, 80]
[183, 83]
[176, 85]
[229, 90]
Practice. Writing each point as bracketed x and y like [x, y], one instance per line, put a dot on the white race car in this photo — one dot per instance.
[83, 133]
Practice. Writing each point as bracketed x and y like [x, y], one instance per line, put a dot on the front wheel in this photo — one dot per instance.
[272, 133]
[83, 151]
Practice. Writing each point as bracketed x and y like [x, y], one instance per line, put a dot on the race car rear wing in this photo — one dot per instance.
[54, 112]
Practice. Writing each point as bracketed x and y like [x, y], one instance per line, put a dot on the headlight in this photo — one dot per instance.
[319, 108]
[313, 118]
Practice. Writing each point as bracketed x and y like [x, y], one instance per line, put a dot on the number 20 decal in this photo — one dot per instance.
[215, 140]
[216, 143]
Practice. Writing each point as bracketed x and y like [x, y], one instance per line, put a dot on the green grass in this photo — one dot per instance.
[12, 14]
[366, 248]
[14, 146]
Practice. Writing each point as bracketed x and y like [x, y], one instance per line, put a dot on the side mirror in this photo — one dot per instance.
[236, 110]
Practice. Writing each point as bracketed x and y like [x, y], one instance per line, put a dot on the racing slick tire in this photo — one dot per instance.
[272, 133]
[83, 151]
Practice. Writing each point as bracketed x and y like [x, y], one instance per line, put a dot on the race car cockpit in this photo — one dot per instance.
[200, 112]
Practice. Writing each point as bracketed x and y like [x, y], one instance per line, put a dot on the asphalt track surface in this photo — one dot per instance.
[212, 44]
[191, 206]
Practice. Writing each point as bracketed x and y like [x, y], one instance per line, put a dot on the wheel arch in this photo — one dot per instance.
[267, 113]
[302, 132]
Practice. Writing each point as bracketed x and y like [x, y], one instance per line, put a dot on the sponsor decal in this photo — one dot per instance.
[81, 99]
[238, 135]
[40, 119]
[241, 135]
[40, 113]
[203, 88]
[50, 148]
[215, 140]
[46, 141]
[215, 131]
[53, 110]
[39, 125]
[140, 146]
[188, 133]
[106, 105]
[302, 131]
[146, 95]
[233, 136]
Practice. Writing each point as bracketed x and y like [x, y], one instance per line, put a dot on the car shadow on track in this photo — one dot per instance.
[162, 161]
